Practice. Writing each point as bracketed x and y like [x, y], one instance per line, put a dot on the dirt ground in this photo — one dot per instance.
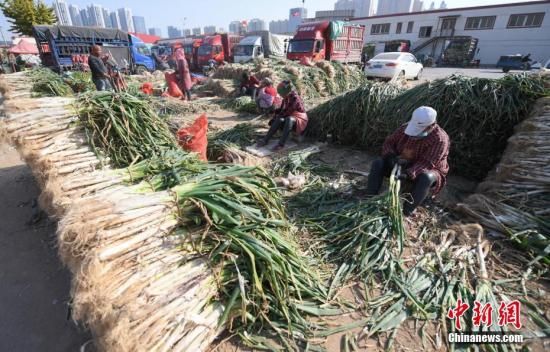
[34, 294]
[34, 289]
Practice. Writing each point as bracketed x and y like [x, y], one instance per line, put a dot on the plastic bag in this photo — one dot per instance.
[172, 83]
[193, 138]
[147, 88]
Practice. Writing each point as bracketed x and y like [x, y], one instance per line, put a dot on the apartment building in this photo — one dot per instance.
[502, 29]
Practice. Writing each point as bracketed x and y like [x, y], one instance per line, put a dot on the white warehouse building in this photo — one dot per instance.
[503, 29]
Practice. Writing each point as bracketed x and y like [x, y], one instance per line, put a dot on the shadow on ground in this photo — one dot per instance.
[34, 286]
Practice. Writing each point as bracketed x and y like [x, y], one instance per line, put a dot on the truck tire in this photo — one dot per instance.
[140, 69]
[418, 75]
[506, 69]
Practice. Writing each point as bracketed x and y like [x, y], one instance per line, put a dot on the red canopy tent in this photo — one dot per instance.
[25, 46]
[147, 39]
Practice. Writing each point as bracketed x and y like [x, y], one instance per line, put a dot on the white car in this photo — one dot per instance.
[394, 65]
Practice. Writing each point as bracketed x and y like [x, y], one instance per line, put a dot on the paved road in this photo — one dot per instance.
[442, 72]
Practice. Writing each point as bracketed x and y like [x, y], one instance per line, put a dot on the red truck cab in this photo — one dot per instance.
[191, 47]
[336, 41]
[218, 47]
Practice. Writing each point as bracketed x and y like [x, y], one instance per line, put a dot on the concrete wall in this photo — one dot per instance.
[492, 42]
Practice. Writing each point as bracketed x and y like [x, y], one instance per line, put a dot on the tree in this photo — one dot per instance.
[23, 14]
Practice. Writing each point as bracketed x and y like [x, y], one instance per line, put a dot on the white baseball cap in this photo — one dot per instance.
[422, 118]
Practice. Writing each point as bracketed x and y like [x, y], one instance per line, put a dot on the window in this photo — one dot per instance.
[425, 32]
[485, 22]
[300, 46]
[448, 24]
[409, 58]
[143, 50]
[410, 26]
[318, 46]
[399, 27]
[526, 20]
[383, 28]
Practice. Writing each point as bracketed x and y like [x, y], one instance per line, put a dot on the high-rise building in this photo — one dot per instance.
[443, 5]
[85, 17]
[209, 29]
[432, 5]
[256, 24]
[186, 32]
[333, 15]
[236, 27]
[386, 7]
[115, 21]
[107, 19]
[125, 18]
[366, 8]
[155, 31]
[62, 13]
[295, 18]
[362, 8]
[76, 18]
[139, 24]
[279, 27]
[173, 32]
[95, 16]
[197, 31]
[344, 5]
[417, 6]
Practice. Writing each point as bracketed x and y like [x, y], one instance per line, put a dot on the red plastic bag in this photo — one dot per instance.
[193, 138]
[172, 82]
[147, 88]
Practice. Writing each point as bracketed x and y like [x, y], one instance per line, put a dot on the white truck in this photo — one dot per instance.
[261, 44]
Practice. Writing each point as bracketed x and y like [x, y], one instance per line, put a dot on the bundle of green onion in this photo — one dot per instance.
[479, 114]
[361, 237]
[48, 83]
[240, 135]
[123, 127]
[243, 104]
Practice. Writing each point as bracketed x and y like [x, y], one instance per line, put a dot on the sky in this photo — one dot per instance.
[200, 13]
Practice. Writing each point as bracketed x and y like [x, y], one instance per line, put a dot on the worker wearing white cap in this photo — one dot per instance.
[421, 147]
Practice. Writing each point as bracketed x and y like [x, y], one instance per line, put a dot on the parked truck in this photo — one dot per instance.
[261, 44]
[60, 46]
[217, 47]
[327, 40]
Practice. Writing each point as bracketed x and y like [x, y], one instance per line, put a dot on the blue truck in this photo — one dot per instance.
[63, 47]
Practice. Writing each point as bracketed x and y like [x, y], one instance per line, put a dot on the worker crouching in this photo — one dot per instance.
[291, 116]
[421, 148]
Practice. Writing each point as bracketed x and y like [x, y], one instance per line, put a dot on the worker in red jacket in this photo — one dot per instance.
[291, 116]
[267, 98]
[421, 147]
[183, 73]
[249, 85]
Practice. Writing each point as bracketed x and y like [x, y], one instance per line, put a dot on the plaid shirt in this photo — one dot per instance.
[291, 103]
[425, 154]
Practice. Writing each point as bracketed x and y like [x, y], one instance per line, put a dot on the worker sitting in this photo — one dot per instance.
[267, 99]
[421, 147]
[291, 116]
[100, 75]
[249, 85]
